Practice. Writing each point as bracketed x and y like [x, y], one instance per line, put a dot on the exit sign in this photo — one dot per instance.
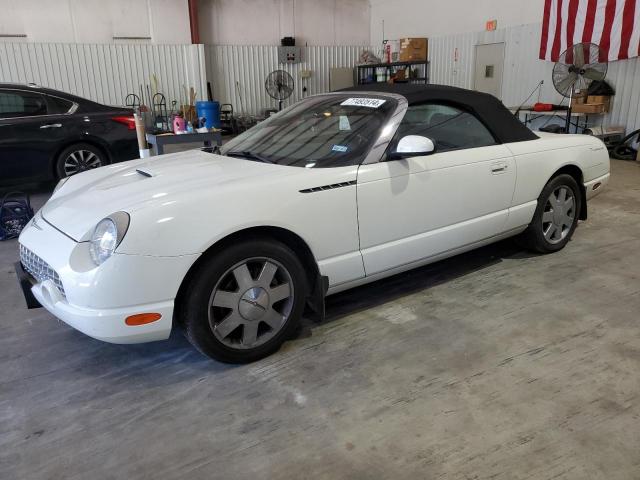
[491, 25]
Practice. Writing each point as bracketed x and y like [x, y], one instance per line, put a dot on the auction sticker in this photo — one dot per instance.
[363, 102]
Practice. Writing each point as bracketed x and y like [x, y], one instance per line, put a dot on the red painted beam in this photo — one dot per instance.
[193, 21]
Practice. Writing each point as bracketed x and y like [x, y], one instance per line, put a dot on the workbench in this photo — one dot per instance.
[579, 120]
[162, 139]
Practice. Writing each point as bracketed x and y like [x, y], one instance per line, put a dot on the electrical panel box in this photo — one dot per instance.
[289, 54]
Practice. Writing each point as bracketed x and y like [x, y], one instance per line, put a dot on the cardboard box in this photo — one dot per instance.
[412, 49]
[591, 104]
[588, 108]
[598, 99]
[605, 100]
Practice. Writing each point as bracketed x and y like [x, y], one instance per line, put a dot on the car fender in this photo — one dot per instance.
[190, 222]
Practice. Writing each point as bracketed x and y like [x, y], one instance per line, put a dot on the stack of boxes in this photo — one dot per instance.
[397, 52]
[591, 104]
[406, 50]
[413, 49]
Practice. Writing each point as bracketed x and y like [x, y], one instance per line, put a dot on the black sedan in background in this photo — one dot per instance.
[46, 134]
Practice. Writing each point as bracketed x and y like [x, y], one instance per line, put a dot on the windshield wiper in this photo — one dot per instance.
[249, 156]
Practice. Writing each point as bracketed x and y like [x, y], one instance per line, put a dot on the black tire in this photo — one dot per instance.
[196, 315]
[86, 156]
[534, 237]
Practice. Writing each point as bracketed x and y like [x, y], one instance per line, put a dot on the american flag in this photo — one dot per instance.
[612, 24]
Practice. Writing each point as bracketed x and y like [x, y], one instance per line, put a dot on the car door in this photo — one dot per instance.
[32, 129]
[413, 209]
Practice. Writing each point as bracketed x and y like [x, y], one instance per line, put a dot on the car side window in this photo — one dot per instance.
[450, 128]
[58, 106]
[15, 103]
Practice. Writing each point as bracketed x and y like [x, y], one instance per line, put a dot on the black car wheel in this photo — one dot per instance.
[79, 158]
[243, 302]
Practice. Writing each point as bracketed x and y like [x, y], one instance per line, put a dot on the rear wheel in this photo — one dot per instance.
[243, 302]
[556, 216]
[79, 158]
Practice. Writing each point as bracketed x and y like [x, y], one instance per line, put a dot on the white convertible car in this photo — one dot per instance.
[336, 191]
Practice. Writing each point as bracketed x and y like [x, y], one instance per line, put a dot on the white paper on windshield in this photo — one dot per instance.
[363, 102]
[344, 123]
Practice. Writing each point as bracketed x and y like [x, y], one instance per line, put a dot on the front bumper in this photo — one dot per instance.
[97, 300]
[26, 284]
[106, 324]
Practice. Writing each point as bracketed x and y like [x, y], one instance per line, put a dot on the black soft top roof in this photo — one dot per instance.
[496, 117]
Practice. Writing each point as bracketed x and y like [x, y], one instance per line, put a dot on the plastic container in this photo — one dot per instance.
[178, 124]
[210, 111]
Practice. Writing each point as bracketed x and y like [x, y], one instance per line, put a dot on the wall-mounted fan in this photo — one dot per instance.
[575, 70]
[279, 85]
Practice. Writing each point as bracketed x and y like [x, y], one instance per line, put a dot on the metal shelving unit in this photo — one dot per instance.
[381, 72]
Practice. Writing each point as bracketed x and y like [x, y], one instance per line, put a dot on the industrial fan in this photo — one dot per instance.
[279, 85]
[575, 70]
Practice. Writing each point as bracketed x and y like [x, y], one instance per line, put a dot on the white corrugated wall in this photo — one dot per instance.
[238, 72]
[105, 72]
[523, 70]
[625, 78]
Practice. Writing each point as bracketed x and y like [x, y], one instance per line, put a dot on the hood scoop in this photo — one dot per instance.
[144, 173]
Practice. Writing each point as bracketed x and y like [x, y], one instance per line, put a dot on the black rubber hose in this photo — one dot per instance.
[622, 151]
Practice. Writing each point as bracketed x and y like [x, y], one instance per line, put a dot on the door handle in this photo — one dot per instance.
[51, 125]
[499, 167]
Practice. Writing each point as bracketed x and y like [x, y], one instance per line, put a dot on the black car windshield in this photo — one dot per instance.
[324, 131]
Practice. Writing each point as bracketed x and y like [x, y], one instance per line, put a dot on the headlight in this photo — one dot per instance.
[107, 236]
[60, 184]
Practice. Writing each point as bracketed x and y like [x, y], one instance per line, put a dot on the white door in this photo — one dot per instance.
[489, 67]
[416, 208]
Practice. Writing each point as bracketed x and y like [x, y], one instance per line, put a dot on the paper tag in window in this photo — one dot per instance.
[363, 102]
[339, 148]
[344, 123]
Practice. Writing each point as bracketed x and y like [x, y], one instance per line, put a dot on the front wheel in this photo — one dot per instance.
[556, 216]
[243, 302]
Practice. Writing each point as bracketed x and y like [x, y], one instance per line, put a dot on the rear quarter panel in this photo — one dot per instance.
[537, 161]
[115, 139]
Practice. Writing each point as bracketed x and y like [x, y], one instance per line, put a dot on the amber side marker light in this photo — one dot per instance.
[142, 319]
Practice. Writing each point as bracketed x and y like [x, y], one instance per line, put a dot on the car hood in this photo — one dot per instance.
[187, 177]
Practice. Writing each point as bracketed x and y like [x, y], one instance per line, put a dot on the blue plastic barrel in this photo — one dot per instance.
[210, 111]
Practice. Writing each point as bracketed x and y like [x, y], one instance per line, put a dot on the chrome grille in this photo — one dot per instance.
[38, 268]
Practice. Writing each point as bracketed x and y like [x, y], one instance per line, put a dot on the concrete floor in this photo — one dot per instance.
[496, 364]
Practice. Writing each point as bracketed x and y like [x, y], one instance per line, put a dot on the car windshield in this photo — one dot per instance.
[322, 131]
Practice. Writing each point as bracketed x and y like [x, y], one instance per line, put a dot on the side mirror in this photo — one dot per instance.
[413, 146]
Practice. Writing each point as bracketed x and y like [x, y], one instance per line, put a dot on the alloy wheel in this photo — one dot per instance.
[558, 215]
[80, 161]
[251, 303]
